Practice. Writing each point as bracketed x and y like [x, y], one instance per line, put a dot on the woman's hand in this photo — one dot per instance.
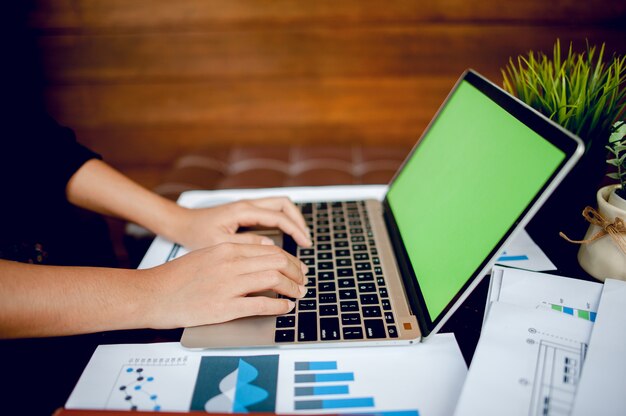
[212, 285]
[204, 227]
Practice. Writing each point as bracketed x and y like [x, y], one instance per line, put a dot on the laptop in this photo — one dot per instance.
[394, 271]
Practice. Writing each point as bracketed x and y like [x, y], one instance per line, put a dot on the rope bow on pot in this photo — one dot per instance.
[616, 230]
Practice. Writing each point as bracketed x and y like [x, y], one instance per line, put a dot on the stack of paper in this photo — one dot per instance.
[533, 345]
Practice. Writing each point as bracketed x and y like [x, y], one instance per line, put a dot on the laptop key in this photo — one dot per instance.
[324, 246]
[365, 277]
[344, 262]
[285, 321]
[326, 276]
[346, 283]
[284, 335]
[311, 282]
[309, 261]
[386, 304]
[374, 328]
[350, 319]
[328, 310]
[383, 292]
[363, 266]
[307, 326]
[327, 298]
[307, 305]
[389, 318]
[349, 306]
[353, 333]
[380, 280]
[326, 286]
[329, 329]
[325, 265]
[359, 247]
[367, 287]
[347, 294]
[369, 299]
[342, 253]
[361, 256]
[393, 332]
[345, 272]
[307, 252]
[371, 311]
[325, 256]
[341, 244]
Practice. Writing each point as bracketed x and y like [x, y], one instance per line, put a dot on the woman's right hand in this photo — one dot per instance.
[212, 285]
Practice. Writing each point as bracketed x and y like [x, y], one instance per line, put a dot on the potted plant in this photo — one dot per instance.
[603, 251]
[586, 95]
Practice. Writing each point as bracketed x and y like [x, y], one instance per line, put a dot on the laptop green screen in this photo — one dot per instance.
[448, 200]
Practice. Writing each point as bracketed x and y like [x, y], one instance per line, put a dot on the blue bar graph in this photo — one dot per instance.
[592, 318]
[314, 395]
[334, 403]
[323, 377]
[322, 390]
[315, 365]
[512, 258]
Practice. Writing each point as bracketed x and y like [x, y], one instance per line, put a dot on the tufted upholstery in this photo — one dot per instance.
[262, 167]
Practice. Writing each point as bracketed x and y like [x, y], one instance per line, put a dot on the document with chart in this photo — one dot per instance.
[422, 379]
[527, 362]
[573, 297]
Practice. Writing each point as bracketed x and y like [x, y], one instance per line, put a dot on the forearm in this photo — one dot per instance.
[100, 188]
[52, 300]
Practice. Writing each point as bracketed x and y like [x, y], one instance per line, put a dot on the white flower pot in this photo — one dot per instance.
[602, 258]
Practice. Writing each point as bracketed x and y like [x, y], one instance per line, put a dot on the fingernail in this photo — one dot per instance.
[304, 268]
[267, 241]
[303, 290]
[291, 305]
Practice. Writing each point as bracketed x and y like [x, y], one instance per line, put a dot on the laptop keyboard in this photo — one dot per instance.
[347, 297]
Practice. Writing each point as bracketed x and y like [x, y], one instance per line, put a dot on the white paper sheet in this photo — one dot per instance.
[572, 297]
[520, 252]
[602, 388]
[167, 377]
[527, 362]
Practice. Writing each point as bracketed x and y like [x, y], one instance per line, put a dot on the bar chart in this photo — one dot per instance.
[580, 313]
[321, 385]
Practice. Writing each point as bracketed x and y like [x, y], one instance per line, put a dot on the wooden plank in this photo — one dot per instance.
[425, 49]
[188, 15]
[257, 102]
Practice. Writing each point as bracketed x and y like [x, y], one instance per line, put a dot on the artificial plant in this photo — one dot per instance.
[579, 91]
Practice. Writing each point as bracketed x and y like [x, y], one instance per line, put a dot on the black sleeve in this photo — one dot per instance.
[40, 157]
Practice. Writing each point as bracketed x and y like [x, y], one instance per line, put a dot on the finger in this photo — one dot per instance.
[270, 280]
[253, 215]
[249, 238]
[261, 305]
[285, 205]
[282, 262]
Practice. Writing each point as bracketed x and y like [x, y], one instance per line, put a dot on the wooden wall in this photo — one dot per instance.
[144, 81]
